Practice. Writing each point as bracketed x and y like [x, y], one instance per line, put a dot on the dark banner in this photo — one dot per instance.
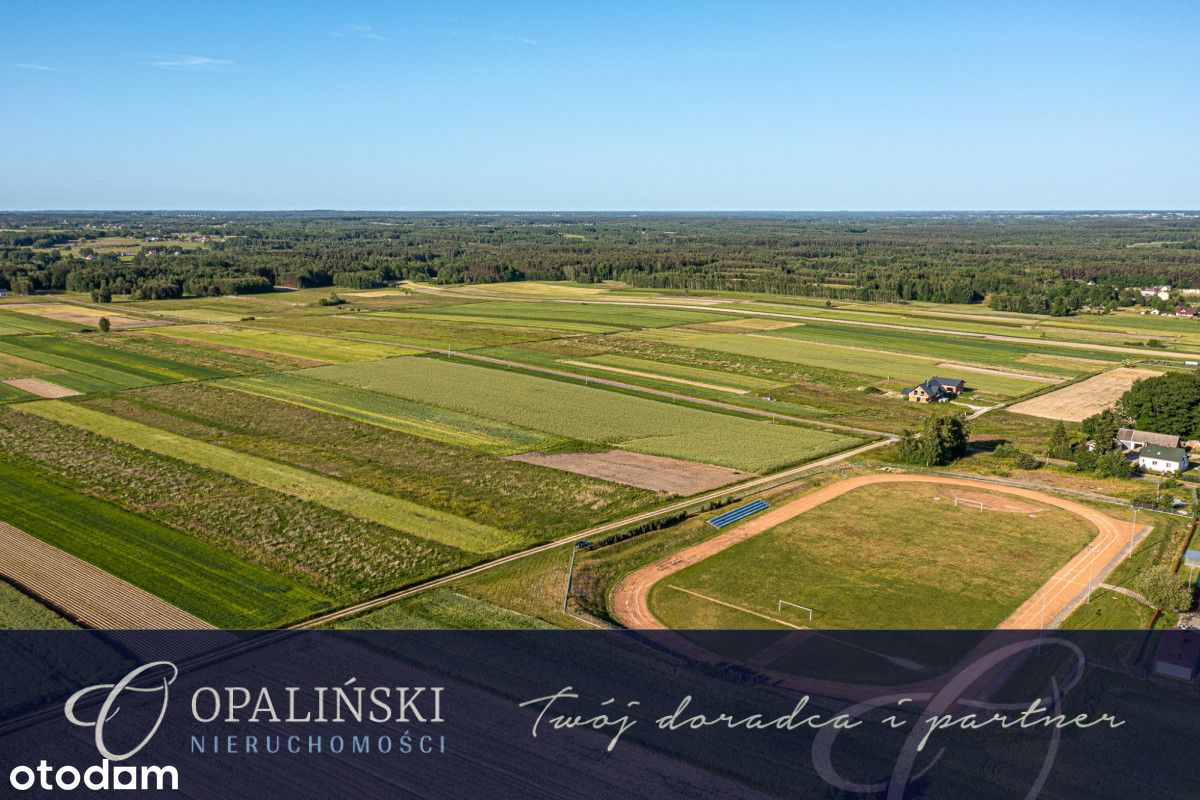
[475, 714]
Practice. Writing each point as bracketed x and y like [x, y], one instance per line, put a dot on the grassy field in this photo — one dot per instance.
[200, 578]
[529, 503]
[440, 609]
[414, 330]
[537, 327]
[343, 556]
[879, 557]
[731, 379]
[532, 587]
[887, 365]
[1107, 610]
[85, 364]
[19, 611]
[15, 323]
[395, 413]
[402, 515]
[313, 347]
[590, 414]
[612, 316]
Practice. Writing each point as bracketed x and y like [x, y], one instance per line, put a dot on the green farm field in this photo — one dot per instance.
[879, 364]
[395, 413]
[344, 557]
[404, 516]
[413, 330]
[883, 556]
[313, 347]
[18, 611]
[84, 365]
[14, 323]
[528, 503]
[590, 414]
[611, 316]
[198, 577]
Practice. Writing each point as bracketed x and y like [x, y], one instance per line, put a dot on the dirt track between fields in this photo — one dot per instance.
[631, 599]
[85, 593]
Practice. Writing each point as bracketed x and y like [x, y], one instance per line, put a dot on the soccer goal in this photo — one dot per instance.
[783, 603]
[964, 501]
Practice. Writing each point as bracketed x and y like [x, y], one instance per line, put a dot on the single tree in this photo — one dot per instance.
[1060, 443]
[105, 325]
[1164, 589]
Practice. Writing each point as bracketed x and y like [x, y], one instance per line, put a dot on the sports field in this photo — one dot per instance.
[880, 556]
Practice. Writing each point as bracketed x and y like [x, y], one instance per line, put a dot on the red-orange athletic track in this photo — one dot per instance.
[631, 598]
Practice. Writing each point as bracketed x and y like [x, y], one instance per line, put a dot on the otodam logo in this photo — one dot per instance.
[109, 774]
[145, 692]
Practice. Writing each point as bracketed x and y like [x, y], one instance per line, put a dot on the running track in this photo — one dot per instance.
[1056, 597]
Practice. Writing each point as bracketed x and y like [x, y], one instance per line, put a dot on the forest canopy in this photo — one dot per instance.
[1036, 263]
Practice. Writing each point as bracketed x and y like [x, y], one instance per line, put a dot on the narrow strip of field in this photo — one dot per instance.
[1079, 401]
[16, 323]
[670, 475]
[877, 363]
[560, 327]
[393, 512]
[298, 345]
[639, 374]
[90, 366]
[41, 388]
[394, 413]
[84, 592]
[631, 598]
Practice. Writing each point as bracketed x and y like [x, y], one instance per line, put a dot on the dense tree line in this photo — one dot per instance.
[1052, 263]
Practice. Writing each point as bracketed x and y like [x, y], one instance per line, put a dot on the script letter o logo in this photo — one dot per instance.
[107, 710]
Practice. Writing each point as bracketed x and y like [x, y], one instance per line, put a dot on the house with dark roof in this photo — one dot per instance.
[1156, 458]
[1134, 440]
[934, 390]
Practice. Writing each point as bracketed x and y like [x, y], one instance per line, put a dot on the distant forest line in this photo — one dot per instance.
[1039, 263]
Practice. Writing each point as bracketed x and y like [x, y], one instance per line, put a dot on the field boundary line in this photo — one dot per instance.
[735, 607]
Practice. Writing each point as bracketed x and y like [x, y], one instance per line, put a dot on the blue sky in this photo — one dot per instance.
[600, 105]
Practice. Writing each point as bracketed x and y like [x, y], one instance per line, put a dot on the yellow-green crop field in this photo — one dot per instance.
[314, 347]
[591, 414]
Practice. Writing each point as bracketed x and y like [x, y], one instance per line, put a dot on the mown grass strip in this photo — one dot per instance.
[401, 515]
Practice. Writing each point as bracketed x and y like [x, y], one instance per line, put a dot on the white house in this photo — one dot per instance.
[1156, 458]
